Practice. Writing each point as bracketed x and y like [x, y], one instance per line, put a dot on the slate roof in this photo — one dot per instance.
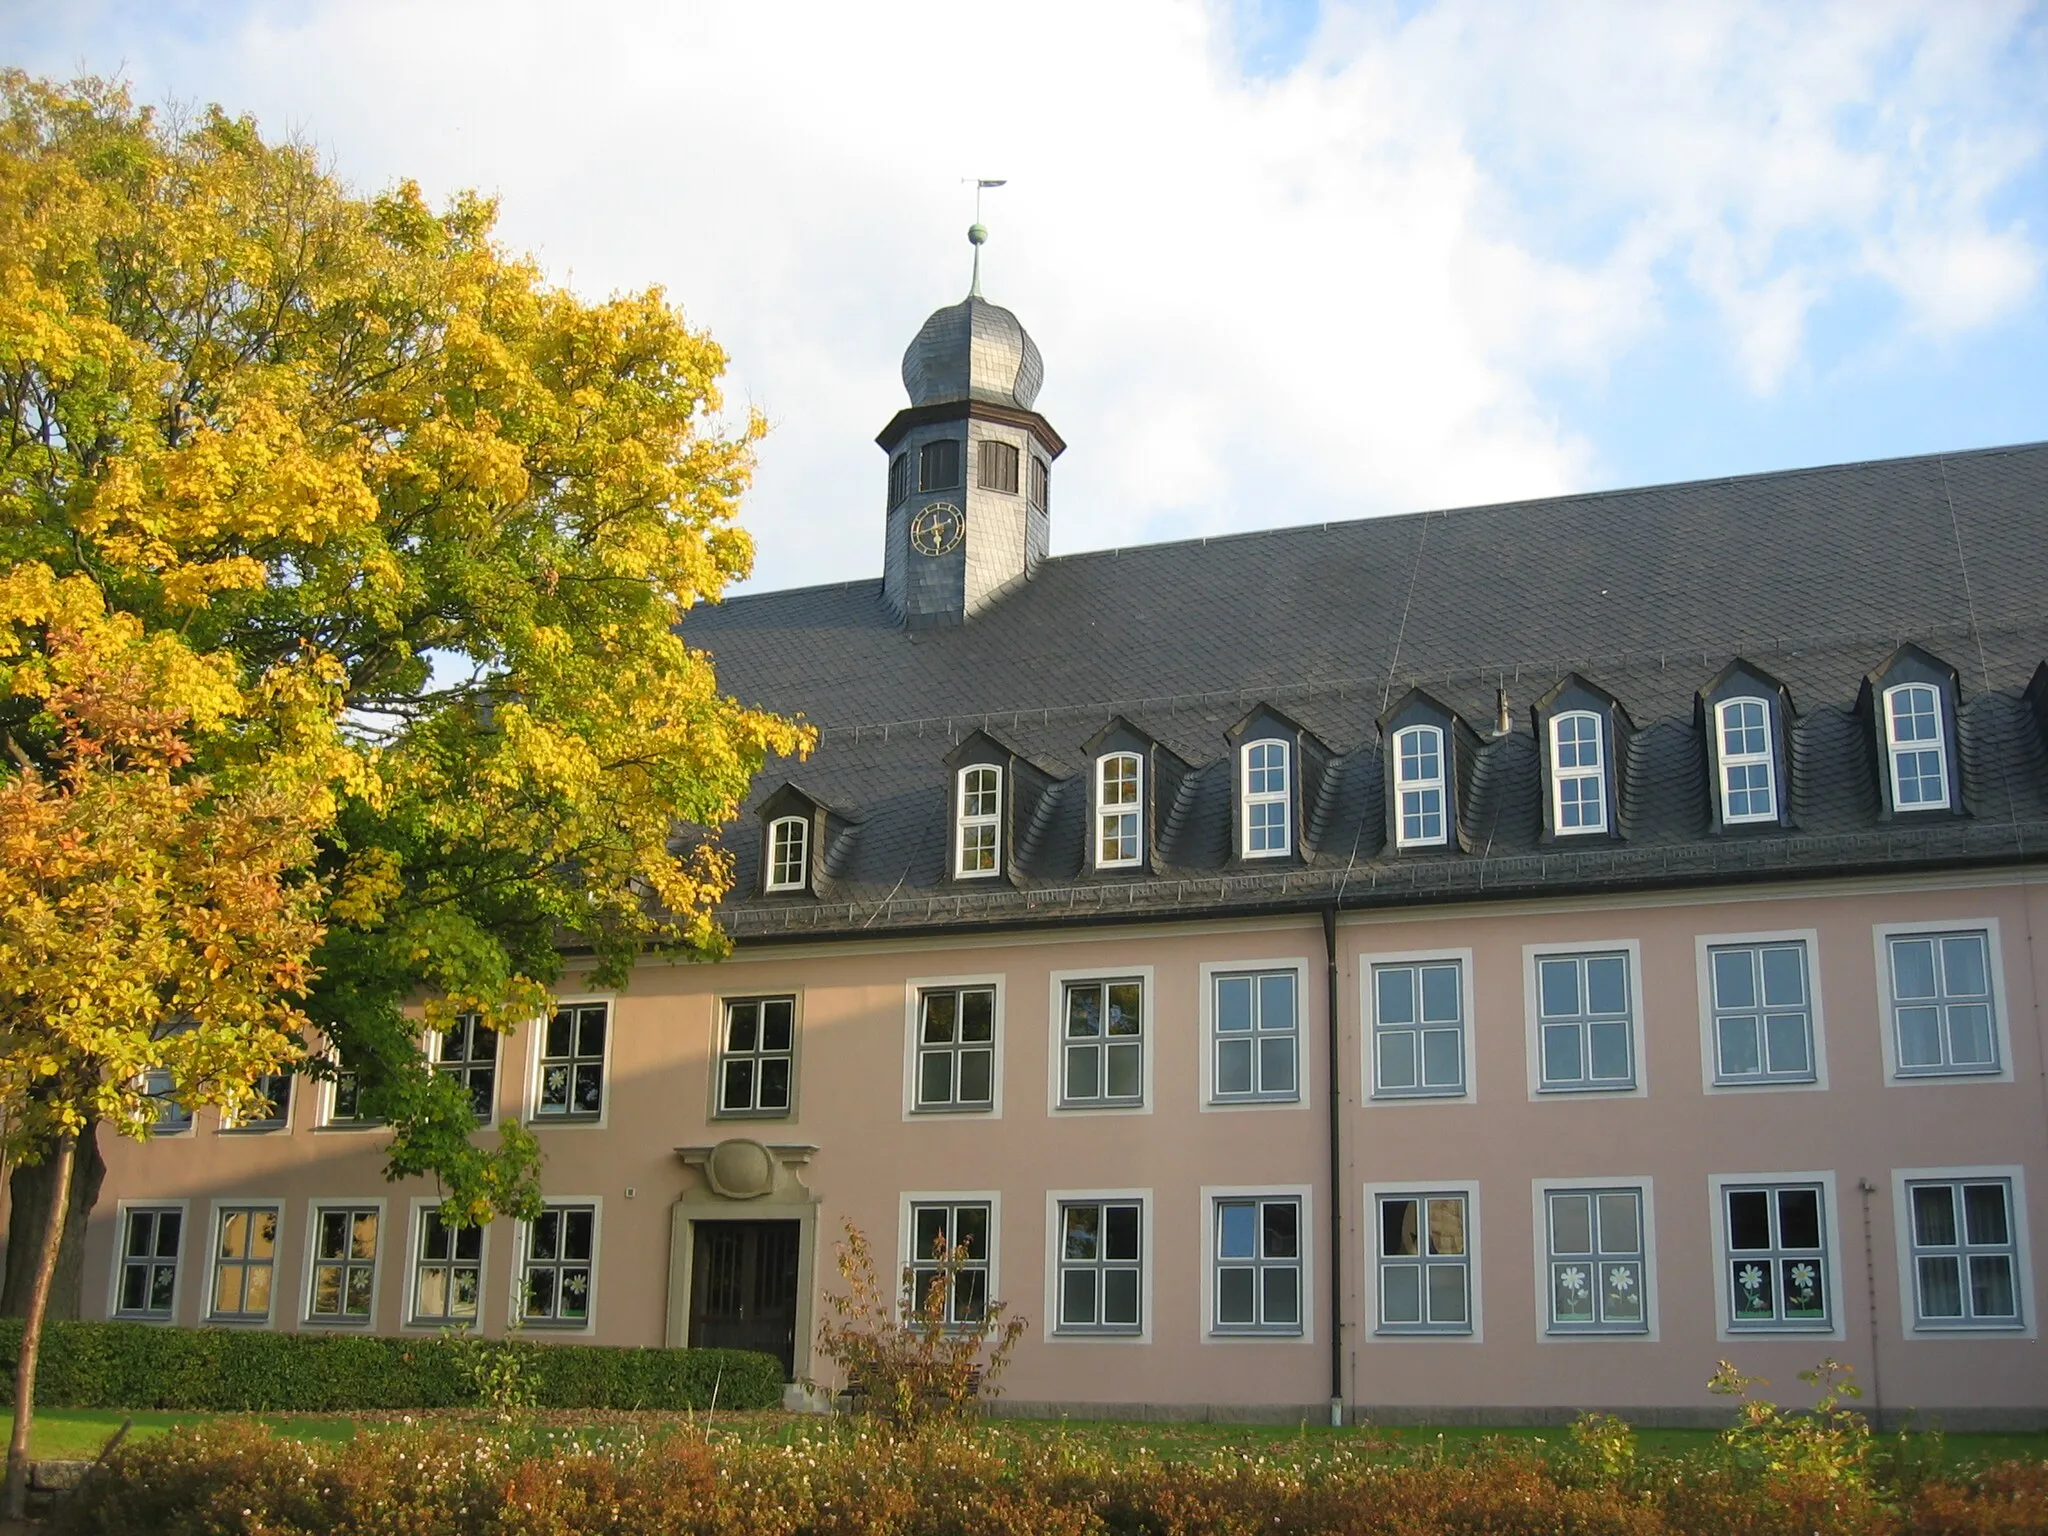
[1816, 576]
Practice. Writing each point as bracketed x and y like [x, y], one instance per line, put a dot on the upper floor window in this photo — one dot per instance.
[899, 478]
[468, 1052]
[938, 465]
[1944, 1013]
[1763, 1014]
[1103, 1053]
[1418, 1030]
[1041, 478]
[1419, 780]
[1586, 1015]
[956, 1048]
[789, 850]
[975, 841]
[1119, 808]
[572, 1059]
[1578, 773]
[998, 466]
[1266, 830]
[173, 1116]
[1749, 789]
[272, 1110]
[1913, 734]
[755, 1056]
[1257, 1037]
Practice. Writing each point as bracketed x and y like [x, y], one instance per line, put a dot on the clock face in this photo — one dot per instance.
[936, 529]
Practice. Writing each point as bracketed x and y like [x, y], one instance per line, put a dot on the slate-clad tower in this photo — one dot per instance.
[969, 464]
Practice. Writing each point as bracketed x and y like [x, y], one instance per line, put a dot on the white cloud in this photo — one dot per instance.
[1342, 291]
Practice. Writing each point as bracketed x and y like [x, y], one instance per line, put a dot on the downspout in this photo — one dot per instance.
[1336, 1182]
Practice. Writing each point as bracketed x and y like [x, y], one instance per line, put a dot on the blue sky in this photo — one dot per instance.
[1287, 261]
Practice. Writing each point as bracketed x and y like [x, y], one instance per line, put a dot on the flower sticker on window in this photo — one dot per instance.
[1752, 1278]
[1574, 1282]
[1620, 1281]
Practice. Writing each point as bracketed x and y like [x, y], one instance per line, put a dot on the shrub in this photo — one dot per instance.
[137, 1365]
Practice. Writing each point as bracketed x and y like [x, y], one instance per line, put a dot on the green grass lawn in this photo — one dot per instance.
[78, 1434]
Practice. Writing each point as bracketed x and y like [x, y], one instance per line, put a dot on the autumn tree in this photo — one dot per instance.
[278, 419]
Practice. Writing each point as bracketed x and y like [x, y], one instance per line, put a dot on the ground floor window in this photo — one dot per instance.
[244, 1263]
[1258, 1264]
[447, 1271]
[962, 1225]
[1776, 1243]
[1425, 1262]
[1598, 1260]
[1101, 1266]
[561, 1250]
[1965, 1253]
[151, 1241]
[344, 1264]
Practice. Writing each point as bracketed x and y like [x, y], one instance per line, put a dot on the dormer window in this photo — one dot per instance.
[899, 479]
[789, 854]
[1578, 773]
[1419, 781]
[1914, 736]
[1749, 790]
[1119, 810]
[1266, 830]
[998, 467]
[975, 838]
[938, 465]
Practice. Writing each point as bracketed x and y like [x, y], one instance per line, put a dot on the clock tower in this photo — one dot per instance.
[970, 464]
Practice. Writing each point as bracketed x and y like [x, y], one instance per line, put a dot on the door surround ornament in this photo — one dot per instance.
[741, 1179]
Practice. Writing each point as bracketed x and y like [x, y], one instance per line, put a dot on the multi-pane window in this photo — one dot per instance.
[1418, 1029]
[1777, 1256]
[1578, 778]
[975, 838]
[1258, 1264]
[345, 1100]
[1425, 1264]
[555, 1278]
[962, 1226]
[273, 1110]
[447, 1271]
[1965, 1253]
[1763, 1013]
[467, 1053]
[1266, 831]
[1103, 1046]
[344, 1264]
[1942, 1020]
[899, 478]
[956, 1048]
[789, 850]
[1257, 1036]
[998, 466]
[1101, 1264]
[1587, 1021]
[1419, 784]
[1596, 1257]
[755, 1055]
[244, 1263]
[1748, 784]
[938, 465]
[1919, 768]
[1041, 482]
[151, 1243]
[1119, 791]
[572, 1063]
[172, 1117]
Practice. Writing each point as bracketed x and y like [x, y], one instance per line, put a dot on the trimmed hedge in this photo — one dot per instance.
[137, 1365]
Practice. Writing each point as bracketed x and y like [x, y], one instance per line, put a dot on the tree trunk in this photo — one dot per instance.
[32, 1330]
[28, 1190]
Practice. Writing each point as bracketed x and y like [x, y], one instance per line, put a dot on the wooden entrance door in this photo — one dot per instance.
[743, 1288]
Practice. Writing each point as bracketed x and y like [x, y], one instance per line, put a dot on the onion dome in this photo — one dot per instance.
[973, 350]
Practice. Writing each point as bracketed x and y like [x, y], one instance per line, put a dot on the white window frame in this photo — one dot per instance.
[1304, 1197]
[779, 849]
[1133, 811]
[1888, 1031]
[721, 1018]
[1766, 759]
[1057, 1102]
[430, 1047]
[1894, 749]
[180, 1262]
[207, 1316]
[992, 821]
[157, 1082]
[1532, 999]
[2014, 1176]
[913, 990]
[329, 1089]
[1372, 1330]
[1422, 787]
[906, 1232]
[1710, 1081]
[1832, 1253]
[379, 1265]
[536, 1033]
[415, 1236]
[1054, 1200]
[1372, 1094]
[516, 1301]
[1559, 776]
[1540, 1191]
[1282, 797]
[282, 1124]
[1210, 970]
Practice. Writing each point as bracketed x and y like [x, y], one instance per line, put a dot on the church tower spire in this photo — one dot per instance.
[970, 462]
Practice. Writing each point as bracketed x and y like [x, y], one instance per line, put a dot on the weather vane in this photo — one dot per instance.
[977, 232]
